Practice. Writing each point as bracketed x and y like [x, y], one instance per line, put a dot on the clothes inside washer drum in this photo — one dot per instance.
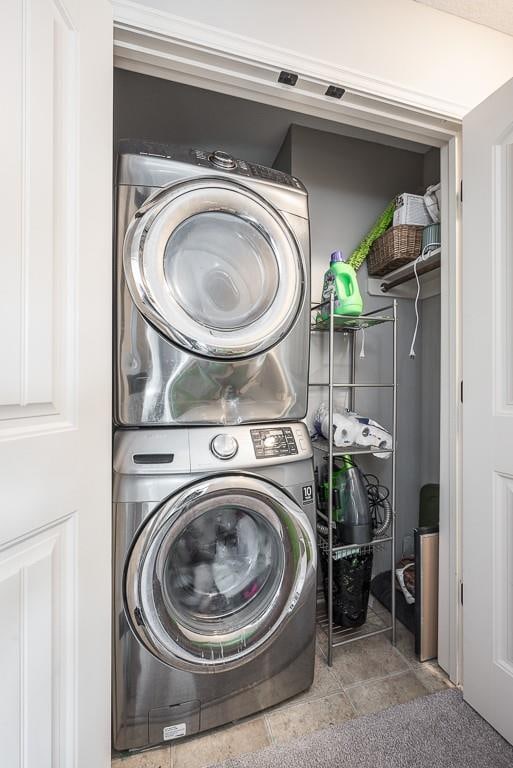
[220, 563]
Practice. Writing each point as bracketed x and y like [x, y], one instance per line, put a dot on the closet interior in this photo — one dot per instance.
[351, 175]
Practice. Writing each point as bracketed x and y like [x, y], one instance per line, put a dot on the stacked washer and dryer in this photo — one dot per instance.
[214, 546]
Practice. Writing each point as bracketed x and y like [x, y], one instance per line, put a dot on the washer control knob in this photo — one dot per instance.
[222, 160]
[224, 446]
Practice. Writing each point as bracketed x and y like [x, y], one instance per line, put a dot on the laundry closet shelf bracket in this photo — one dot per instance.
[401, 282]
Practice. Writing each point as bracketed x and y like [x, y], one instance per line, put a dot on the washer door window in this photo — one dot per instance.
[214, 268]
[217, 570]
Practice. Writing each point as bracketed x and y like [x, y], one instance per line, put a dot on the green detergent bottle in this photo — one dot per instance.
[348, 300]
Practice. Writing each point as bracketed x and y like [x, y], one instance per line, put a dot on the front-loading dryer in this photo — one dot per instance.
[213, 289]
[214, 577]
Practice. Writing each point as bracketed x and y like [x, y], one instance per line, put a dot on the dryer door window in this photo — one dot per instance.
[214, 268]
[218, 570]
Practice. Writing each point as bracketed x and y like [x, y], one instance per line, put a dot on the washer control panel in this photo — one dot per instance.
[273, 441]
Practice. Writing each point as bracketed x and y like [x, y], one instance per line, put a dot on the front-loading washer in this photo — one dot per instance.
[214, 577]
[212, 289]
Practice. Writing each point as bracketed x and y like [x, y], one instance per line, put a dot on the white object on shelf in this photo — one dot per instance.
[411, 209]
[407, 289]
[432, 199]
[352, 429]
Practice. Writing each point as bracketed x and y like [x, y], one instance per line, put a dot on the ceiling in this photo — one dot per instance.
[497, 14]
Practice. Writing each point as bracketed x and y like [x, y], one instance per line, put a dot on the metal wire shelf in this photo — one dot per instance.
[333, 324]
[348, 550]
[346, 385]
[375, 625]
[345, 323]
[320, 444]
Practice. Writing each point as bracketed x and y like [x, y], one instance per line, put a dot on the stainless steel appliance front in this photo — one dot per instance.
[214, 579]
[213, 287]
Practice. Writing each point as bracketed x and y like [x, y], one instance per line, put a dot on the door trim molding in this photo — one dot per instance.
[162, 44]
[450, 651]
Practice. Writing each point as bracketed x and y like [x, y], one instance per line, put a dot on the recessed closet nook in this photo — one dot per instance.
[351, 175]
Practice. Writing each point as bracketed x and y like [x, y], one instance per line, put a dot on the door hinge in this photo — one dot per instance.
[461, 190]
[461, 390]
[461, 592]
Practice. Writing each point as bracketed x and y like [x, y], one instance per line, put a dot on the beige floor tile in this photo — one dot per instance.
[405, 642]
[365, 659]
[374, 622]
[376, 606]
[220, 745]
[294, 722]
[321, 642]
[151, 758]
[380, 694]
[432, 676]
[429, 673]
[324, 683]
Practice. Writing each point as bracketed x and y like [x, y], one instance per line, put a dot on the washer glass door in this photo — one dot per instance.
[217, 570]
[214, 268]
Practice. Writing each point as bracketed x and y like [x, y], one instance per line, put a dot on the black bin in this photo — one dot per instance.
[351, 586]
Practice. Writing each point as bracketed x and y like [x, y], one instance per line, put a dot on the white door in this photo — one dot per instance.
[55, 341]
[488, 409]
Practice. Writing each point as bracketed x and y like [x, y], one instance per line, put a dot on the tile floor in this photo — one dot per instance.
[367, 675]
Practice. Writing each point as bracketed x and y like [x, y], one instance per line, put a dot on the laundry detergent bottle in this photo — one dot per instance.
[342, 277]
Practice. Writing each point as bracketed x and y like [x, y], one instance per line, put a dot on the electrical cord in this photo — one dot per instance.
[423, 256]
[417, 297]
[379, 505]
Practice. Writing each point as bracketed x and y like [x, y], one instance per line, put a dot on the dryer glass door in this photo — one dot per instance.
[214, 268]
[218, 570]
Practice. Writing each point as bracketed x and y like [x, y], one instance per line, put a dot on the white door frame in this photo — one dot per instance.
[156, 43]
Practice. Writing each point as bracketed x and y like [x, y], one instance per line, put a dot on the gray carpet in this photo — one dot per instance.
[437, 731]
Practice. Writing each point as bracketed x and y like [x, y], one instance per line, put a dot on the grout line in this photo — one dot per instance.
[269, 731]
[372, 680]
[353, 706]
[446, 682]
[310, 700]
[306, 700]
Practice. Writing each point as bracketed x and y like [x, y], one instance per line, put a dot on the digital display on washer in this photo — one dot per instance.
[276, 441]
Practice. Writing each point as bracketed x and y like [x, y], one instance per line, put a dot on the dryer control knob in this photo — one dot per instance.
[222, 160]
[224, 446]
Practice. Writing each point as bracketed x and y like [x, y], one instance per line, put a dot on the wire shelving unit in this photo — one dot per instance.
[348, 325]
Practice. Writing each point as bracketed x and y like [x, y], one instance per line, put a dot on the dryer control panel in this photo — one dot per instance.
[273, 441]
[225, 162]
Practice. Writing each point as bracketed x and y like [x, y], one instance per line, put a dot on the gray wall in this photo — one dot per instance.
[350, 182]
[429, 345]
[431, 173]
[152, 108]
[429, 348]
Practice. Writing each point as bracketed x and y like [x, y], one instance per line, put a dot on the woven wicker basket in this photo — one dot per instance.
[396, 247]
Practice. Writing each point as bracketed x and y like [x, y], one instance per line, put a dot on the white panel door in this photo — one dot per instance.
[488, 409]
[55, 413]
